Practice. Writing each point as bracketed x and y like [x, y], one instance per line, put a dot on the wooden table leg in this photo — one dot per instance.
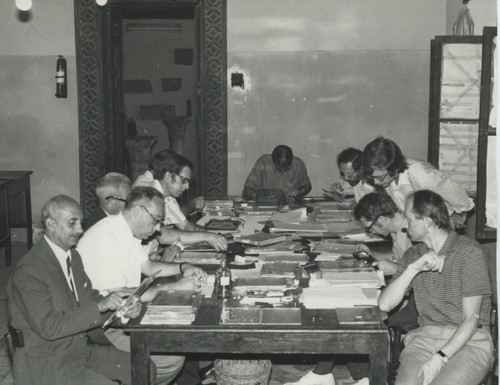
[139, 356]
[378, 360]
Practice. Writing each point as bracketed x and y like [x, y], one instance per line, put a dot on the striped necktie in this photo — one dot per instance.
[70, 276]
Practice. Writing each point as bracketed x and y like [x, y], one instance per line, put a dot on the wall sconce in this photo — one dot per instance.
[61, 78]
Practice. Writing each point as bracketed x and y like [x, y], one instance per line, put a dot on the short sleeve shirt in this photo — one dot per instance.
[438, 296]
[264, 174]
[111, 255]
[173, 212]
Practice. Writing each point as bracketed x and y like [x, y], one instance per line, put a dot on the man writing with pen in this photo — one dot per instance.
[114, 259]
[279, 170]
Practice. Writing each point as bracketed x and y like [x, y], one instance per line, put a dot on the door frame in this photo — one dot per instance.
[98, 111]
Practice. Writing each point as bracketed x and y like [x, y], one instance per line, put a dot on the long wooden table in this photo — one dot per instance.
[320, 333]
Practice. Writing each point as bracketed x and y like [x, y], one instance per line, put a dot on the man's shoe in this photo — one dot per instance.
[314, 379]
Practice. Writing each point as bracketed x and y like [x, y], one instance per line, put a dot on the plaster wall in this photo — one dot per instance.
[321, 76]
[38, 131]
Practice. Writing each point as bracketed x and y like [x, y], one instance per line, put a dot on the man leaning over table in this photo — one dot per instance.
[379, 215]
[170, 174]
[386, 166]
[349, 162]
[278, 170]
[114, 260]
[449, 277]
[52, 303]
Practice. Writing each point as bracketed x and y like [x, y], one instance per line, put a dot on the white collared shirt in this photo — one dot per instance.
[61, 256]
[111, 255]
[173, 212]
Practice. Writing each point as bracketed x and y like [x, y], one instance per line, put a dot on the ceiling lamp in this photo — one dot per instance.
[101, 3]
[24, 5]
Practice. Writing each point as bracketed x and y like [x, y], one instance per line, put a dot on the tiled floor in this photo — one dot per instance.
[280, 374]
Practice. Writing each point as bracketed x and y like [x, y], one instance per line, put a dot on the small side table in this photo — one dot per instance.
[12, 184]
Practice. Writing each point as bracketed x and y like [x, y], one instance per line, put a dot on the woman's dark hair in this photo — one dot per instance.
[384, 154]
[427, 203]
[168, 161]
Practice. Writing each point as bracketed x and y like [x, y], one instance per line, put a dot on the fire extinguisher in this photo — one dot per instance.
[61, 79]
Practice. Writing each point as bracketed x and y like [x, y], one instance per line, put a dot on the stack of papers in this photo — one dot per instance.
[301, 227]
[173, 307]
[279, 269]
[218, 207]
[347, 278]
[332, 297]
[261, 239]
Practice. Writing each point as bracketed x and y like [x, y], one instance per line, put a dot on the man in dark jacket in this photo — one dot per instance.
[53, 305]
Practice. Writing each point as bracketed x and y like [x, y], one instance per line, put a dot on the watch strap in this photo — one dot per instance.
[443, 355]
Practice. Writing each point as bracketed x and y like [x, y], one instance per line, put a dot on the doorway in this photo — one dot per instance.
[186, 80]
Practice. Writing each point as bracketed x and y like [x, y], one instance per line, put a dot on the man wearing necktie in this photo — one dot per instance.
[53, 305]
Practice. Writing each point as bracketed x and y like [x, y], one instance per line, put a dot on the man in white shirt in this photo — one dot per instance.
[387, 167]
[114, 260]
[111, 191]
[170, 174]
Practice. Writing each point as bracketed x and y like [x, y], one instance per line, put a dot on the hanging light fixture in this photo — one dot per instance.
[464, 26]
[101, 3]
[24, 5]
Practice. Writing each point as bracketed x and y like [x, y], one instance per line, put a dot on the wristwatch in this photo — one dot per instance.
[443, 356]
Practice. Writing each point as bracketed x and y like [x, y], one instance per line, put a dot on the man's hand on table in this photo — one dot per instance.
[114, 300]
[185, 283]
[195, 273]
[217, 241]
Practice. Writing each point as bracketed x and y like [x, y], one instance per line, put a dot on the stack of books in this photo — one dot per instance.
[173, 307]
[218, 207]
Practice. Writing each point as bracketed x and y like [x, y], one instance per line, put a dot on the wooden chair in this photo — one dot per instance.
[398, 324]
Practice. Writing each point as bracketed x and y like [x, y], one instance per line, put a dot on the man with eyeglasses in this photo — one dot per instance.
[385, 165]
[111, 190]
[379, 215]
[349, 162]
[114, 260]
[170, 174]
[280, 170]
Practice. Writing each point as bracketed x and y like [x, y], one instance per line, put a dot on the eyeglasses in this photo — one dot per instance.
[369, 229]
[346, 175]
[157, 219]
[115, 198]
[380, 178]
[183, 179]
